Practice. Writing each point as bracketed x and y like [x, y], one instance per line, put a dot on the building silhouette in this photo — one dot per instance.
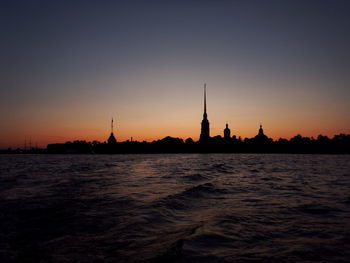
[205, 134]
[227, 133]
[261, 137]
[112, 139]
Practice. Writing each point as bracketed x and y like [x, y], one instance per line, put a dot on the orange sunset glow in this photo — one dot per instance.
[148, 74]
[174, 131]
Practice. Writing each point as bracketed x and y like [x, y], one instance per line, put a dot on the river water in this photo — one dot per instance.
[175, 208]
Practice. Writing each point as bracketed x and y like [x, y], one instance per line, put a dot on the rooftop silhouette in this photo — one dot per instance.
[225, 143]
[260, 143]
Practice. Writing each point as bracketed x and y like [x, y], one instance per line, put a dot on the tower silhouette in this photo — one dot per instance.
[261, 131]
[205, 135]
[227, 133]
[261, 137]
[112, 139]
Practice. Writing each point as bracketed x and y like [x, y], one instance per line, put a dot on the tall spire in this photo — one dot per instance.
[204, 136]
[205, 98]
[205, 102]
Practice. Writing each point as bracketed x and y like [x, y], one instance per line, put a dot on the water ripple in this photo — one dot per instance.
[175, 208]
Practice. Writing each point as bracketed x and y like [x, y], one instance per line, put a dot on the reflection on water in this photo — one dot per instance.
[175, 208]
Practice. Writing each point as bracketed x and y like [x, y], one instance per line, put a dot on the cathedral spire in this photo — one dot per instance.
[204, 136]
[205, 102]
[205, 98]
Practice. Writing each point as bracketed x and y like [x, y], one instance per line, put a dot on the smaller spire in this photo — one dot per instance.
[261, 131]
[112, 139]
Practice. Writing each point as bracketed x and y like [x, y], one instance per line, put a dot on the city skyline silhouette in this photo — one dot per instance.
[340, 141]
[175, 131]
[204, 136]
[66, 69]
[207, 143]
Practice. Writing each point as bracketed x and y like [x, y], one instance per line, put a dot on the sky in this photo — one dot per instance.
[68, 67]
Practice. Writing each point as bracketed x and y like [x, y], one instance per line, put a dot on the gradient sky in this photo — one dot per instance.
[67, 67]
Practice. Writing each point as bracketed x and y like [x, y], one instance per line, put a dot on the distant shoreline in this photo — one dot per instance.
[339, 144]
[166, 149]
[172, 153]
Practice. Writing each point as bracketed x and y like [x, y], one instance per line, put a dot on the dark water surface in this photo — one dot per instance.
[175, 208]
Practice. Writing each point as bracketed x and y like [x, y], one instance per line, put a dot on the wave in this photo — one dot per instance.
[190, 199]
[195, 177]
[164, 246]
[317, 209]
